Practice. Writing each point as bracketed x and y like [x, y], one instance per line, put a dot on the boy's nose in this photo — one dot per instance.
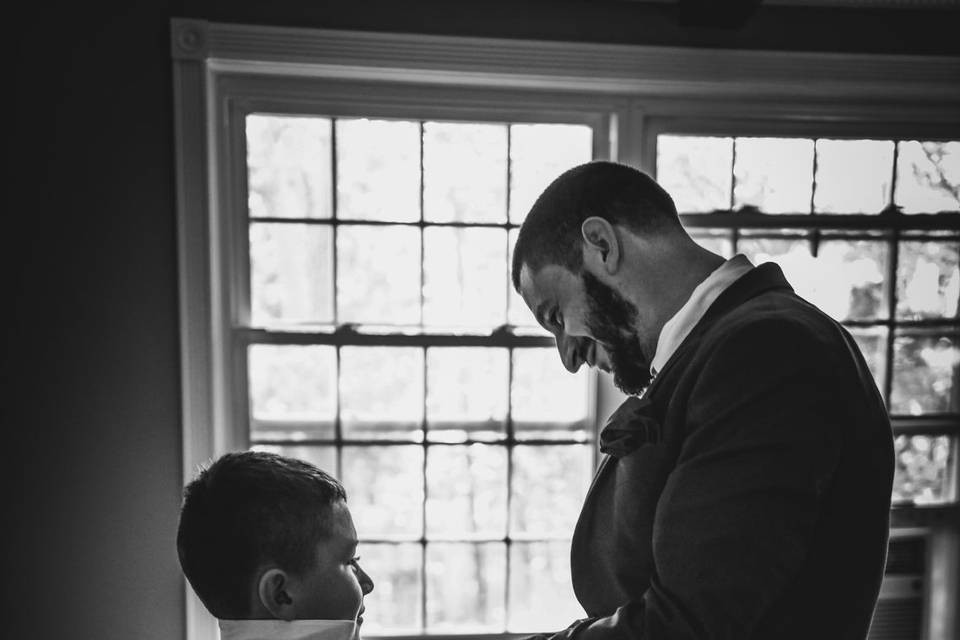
[366, 584]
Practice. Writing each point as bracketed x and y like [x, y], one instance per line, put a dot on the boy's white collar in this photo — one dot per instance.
[289, 630]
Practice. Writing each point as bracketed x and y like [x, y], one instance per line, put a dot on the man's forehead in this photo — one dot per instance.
[550, 285]
[527, 284]
[551, 279]
[532, 291]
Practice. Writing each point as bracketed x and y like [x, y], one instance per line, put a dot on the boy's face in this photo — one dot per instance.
[334, 588]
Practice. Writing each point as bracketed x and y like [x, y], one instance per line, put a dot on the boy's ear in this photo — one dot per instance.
[601, 245]
[274, 594]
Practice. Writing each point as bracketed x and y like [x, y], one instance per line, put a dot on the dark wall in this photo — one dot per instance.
[615, 21]
[91, 351]
[94, 344]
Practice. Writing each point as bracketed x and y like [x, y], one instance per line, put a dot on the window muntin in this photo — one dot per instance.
[844, 229]
[379, 348]
[844, 267]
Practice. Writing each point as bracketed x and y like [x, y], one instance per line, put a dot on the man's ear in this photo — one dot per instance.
[273, 590]
[601, 245]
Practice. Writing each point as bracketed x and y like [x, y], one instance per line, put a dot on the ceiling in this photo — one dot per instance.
[849, 4]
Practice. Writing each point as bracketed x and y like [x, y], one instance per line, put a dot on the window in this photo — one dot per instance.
[860, 228]
[379, 348]
[865, 227]
[344, 292]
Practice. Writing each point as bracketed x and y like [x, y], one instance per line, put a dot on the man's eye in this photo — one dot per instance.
[556, 320]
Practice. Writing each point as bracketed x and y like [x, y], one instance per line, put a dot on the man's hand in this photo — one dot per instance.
[568, 633]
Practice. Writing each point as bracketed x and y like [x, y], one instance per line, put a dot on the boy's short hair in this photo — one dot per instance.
[245, 510]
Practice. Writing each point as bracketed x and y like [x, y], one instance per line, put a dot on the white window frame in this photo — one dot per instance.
[216, 66]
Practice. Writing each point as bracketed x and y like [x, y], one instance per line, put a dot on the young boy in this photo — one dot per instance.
[268, 544]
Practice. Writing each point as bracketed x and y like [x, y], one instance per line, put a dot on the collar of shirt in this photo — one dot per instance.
[683, 321]
[289, 630]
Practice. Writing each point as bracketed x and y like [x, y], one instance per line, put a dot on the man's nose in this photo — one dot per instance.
[569, 349]
[366, 584]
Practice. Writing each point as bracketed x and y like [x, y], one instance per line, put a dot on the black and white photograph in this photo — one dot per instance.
[484, 320]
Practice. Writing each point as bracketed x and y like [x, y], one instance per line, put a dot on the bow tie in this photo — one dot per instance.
[630, 427]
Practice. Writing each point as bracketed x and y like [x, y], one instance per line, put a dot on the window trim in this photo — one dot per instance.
[635, 82]
[236, 95]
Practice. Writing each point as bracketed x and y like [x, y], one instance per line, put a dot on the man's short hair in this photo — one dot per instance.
[247, 509]
[619, 194]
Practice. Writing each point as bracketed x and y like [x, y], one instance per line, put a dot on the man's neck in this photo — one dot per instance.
[690, 271]
[666, 282]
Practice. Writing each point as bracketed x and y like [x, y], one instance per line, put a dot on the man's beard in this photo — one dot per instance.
[610, 319]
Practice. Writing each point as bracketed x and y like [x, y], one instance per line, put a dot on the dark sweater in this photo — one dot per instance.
[751, 495]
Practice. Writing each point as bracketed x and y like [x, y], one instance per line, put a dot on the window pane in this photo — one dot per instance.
[541, 594]
[381, 392]
[850, 278]
[873, 345]
[378, 275]
[385, 490]
[288, 167]
[925, 373]
[538, 154]
[465, 587]
[466, 393]
[928, 176]
[291, 274]
[547, 400]
[467, 491]
[853, 176]
[394, 605]
[928, 280]
[695, 171]
[786, 252]
[549, 483]
[464, 277]
[465, 172]
[378, 170]
[774, 174]
[845, 280]
[922, 473]
[293, 391]
[322, 457]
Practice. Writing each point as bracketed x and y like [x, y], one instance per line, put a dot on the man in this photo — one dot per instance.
[746, 493]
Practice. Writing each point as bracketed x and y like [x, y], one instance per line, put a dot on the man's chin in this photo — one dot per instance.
[631, 382]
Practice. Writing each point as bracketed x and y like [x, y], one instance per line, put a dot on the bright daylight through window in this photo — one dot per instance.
[894, 285]
[379, 294]
[385, 343]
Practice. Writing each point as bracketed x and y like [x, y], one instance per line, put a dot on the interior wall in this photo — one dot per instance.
[94, 343]
[612, 21]
[91, 349]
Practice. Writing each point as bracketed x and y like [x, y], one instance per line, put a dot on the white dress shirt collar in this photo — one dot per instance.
[683, 321]
[289, 630]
